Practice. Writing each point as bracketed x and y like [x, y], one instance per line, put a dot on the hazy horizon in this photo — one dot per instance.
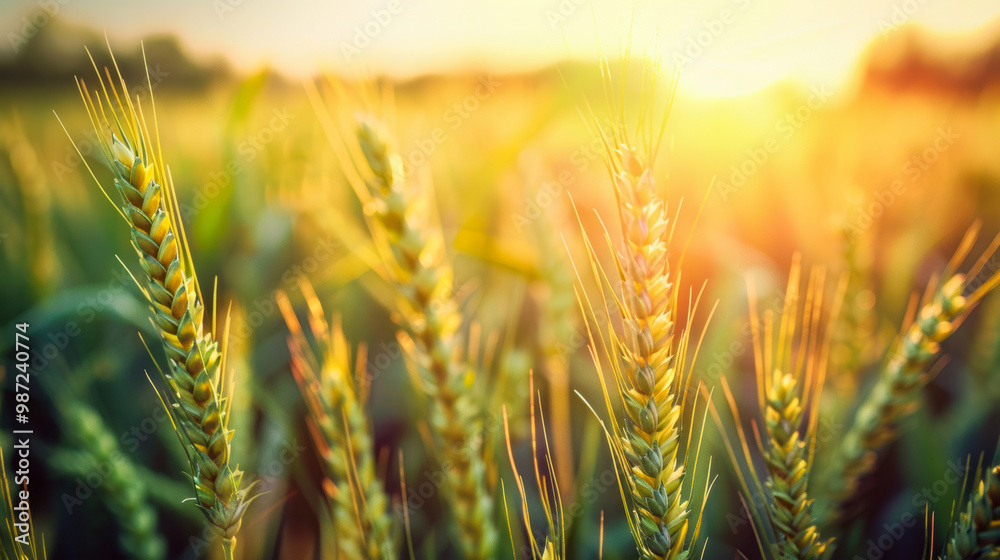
[730, 47]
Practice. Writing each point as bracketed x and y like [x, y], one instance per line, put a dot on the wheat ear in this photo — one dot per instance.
[341, 431]
[428, 317]
[790, 368]
[648, 361]
[907, 370]
[790, 437]
[788, 469]
[198, 390]
[649, 356]
[977, 532]
[124, 491]
[652, 402]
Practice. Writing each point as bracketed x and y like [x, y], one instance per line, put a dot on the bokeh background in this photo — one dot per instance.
[862, 134]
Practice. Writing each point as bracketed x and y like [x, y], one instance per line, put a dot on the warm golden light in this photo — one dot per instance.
[730, 47]
[471, 280]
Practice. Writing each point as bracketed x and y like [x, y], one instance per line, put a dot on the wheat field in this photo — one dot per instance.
[582, 309]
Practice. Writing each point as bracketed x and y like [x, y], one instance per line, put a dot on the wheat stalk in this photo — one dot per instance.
[341, 431]
[554, 547]
[907, 370]
[29, 178]
[512, 393]
[977, 532]
[198, 390]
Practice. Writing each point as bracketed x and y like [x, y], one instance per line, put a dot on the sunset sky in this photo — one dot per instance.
[733, 46]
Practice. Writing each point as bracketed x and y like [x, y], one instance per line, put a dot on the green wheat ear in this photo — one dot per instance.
[790, 446]
[976, 534]
[197, 398]
[908, 367]
[123, 489]
[790, 367]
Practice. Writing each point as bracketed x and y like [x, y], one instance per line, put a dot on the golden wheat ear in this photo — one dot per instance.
[334, 394]
[411, 258]
[632, 330]
[909, 365]
[197, 399]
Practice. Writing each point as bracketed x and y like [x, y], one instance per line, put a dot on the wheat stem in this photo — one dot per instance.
[36, 197]
[557, 327]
